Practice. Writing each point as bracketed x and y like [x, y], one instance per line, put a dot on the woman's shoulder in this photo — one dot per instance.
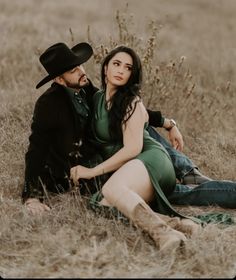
[139, 107]
[99, 92]
[98, 97]
[138, 102]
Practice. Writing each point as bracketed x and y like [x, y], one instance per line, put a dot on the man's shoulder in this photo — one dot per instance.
[55, 91]
[54, 97]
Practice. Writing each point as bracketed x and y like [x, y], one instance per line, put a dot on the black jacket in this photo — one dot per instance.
[55, 135]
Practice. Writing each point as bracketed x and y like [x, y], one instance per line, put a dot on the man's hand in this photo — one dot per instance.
[80, 172]
[35, 206]
[176, 138]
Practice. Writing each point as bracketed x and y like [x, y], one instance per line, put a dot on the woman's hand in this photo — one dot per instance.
[176, 138]
[80, 172]
[34, 206]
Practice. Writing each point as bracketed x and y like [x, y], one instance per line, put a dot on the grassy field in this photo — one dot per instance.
[188, 53]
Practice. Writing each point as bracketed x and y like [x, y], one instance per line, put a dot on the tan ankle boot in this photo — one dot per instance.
[187, 226]
[164, 236]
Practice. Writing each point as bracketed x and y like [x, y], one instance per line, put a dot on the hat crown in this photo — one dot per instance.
[57, 58]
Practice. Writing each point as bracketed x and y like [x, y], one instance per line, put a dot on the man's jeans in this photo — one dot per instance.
[221, 193]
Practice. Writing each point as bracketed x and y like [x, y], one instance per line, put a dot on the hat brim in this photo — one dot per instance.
[83, 52]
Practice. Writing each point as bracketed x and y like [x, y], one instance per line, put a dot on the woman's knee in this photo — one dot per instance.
[111, 190]
[105, 190]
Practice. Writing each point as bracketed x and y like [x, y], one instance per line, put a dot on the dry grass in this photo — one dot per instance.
[188, 53]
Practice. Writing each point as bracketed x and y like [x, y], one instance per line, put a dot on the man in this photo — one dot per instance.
[59, 136]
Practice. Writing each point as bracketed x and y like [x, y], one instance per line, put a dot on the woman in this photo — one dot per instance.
[142, 172]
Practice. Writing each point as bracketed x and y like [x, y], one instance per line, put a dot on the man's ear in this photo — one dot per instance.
[59, 80]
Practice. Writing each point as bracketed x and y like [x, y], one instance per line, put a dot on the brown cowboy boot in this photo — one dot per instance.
[187, 226]
[164, 236]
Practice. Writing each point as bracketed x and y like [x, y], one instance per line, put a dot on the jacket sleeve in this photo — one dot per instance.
[155, 118]
[39, 144]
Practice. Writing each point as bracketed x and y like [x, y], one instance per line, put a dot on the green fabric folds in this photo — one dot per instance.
[216, 218]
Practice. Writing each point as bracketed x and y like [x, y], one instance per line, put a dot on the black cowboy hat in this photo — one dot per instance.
[59, 58]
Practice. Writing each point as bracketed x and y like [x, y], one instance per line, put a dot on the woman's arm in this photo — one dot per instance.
[132, 146]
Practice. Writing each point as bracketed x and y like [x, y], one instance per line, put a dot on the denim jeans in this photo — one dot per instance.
[221, 193]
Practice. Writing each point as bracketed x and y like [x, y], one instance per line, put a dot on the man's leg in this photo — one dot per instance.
[221, 193]
[186, 171]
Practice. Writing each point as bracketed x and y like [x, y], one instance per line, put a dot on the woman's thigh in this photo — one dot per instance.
[134, 176]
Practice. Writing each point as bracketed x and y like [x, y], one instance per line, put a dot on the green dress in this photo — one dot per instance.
[154, 156]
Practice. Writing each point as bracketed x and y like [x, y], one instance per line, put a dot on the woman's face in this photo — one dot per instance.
[119, 69]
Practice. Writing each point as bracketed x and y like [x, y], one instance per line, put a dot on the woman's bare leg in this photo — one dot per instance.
[128, 186]
[130, 190]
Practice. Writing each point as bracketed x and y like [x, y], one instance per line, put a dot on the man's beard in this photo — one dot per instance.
[77, 85]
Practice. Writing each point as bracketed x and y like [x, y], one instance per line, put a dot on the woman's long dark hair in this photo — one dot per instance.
[121, 102]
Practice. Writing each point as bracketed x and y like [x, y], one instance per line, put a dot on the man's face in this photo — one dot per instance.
[75, 78]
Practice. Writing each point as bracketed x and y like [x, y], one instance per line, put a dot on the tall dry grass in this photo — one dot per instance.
[188, 53]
